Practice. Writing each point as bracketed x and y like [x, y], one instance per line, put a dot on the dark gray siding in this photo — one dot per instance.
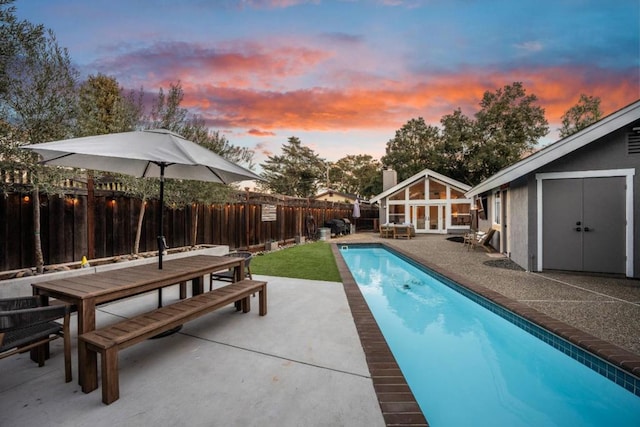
[609, 152]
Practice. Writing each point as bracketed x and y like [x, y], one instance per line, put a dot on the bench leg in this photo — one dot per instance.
[246, 304]
[89, 376]
[110, 380]
[262, 300]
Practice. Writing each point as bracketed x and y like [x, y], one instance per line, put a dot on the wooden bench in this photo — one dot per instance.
[110, 340]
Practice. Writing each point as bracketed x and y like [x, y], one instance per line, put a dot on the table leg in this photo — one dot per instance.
[86, 323]
[238, 272]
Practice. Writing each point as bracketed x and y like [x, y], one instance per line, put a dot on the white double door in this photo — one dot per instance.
[429, 219]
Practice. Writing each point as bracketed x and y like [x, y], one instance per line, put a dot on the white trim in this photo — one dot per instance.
[505, 227]
[627, 173]
[630, 225]
[587, 174]
[496, 211]
[426, 173]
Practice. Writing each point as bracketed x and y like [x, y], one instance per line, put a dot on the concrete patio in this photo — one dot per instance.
[302, 364]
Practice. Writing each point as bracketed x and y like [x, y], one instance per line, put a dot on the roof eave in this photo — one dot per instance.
[559, 149]
[422, 174]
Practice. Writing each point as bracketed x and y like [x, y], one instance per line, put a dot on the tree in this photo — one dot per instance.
[13, 35]
[103, 109]
[414, 148]
[581, 115]
[144, 189]
[184, 193]
[507, 126]
[297, 172]
[357, 174]
[37, 97]
[166, 113]
[457, 141]
[196, 130]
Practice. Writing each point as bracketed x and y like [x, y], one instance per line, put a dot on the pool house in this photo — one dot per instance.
[431, 202]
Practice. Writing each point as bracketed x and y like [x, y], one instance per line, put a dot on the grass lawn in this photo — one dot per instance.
[312, 261]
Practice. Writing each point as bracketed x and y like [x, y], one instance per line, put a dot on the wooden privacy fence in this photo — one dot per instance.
[248, 223]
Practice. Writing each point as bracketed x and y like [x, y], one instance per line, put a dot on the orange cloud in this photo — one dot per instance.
[260, 87]
[393, 103]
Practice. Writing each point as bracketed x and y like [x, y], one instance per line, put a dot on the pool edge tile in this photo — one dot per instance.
[591, 349]
[392, 398]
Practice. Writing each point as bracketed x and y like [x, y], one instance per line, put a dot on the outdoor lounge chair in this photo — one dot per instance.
[27, 325]
[227, 275]
[481, 239]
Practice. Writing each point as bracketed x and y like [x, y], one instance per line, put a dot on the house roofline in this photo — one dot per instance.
[422, 174]
[560, 148]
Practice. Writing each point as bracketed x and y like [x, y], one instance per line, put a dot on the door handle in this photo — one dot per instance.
[578, 229]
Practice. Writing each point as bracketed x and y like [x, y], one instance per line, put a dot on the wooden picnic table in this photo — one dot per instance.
[86, 292]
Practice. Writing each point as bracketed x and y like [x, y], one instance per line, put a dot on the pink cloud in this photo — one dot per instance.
[256, 132]
[264, 149]
[240, 64]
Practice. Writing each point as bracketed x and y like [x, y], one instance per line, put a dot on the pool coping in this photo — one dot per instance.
[374, 344]
[397, 402]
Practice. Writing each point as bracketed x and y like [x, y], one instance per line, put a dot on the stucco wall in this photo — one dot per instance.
[519, 223]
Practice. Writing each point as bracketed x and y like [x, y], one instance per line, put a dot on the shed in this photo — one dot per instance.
[571, 206]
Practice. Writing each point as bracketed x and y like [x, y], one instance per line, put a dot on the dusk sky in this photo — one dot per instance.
[343, 76]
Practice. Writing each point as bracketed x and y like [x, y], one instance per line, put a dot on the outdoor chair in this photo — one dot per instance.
[480, 239]
[227, 275]
[469, 237]
[27, 325]
[387, 231]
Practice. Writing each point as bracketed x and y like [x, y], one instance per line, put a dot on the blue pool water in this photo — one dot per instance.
[468, 366]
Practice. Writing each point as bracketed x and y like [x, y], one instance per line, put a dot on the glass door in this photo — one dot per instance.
[419, 218]
[436, 218]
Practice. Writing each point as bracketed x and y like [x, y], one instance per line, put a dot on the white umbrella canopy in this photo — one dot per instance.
[143, 154]
[156, 153]
[356, 208]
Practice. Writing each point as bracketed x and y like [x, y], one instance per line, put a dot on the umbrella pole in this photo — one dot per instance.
[161, 247]
[161, 243]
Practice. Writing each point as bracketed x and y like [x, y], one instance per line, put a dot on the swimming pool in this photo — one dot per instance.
[467, 365]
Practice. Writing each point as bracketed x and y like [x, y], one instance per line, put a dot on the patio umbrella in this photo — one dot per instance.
[355, 214]
[356, 209]
[156, 153]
